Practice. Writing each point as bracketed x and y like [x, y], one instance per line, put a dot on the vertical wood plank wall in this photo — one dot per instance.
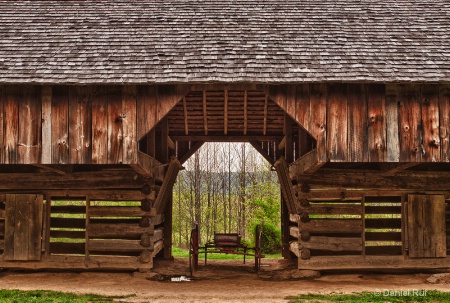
[372, 122]
[102, 124]
[80, 124]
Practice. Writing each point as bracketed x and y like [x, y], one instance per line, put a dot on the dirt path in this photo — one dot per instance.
[220, 281]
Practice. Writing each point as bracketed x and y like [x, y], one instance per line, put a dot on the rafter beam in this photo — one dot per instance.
[205, 117]
[228, 138]
[186, 126]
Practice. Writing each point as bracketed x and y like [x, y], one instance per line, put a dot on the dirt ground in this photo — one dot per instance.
[219, 281]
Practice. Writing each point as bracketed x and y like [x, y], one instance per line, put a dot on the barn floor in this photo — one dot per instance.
[220, 281]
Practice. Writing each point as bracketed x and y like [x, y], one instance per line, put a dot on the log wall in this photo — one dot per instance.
[372, 122]
[333, 228]
[78, 232]
[447, 222]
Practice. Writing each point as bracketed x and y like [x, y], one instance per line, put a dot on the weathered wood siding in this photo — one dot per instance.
[79, 124]
[102, 124]
[372, 122]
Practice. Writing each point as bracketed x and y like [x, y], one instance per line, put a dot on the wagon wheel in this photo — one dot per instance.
[193, 250]
[258, 246]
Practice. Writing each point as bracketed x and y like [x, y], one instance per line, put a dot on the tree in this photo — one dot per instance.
[225, 188]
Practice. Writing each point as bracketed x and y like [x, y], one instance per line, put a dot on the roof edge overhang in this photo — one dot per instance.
[224, 83]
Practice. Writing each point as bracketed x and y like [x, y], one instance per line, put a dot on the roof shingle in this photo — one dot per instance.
[167, 41]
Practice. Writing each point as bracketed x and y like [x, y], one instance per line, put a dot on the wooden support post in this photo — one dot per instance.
[286, 186]
[163, 154]
[363, 232]
[86, 232]
[266, 105]
[47, 218]
[302, 142]
[186, 126]
[162, 200]
[168, 229]
[151, 143]
[245, 112]
[289, 144]
[46, 156]
[205, 114]
[225, 112]
[285, 229]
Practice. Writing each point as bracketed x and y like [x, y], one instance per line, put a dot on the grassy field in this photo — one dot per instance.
[412, 296]
[45, 296]
[422, 296]
[184, 253]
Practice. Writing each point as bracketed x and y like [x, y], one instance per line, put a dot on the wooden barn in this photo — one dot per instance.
[101, 102]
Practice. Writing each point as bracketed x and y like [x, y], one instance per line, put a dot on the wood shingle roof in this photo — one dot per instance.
[173, 41]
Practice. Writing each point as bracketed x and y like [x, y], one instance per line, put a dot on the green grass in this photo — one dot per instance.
[382, 296]
[46, 296]
[184, 253]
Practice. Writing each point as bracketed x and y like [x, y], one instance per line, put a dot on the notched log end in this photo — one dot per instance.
[305, 188]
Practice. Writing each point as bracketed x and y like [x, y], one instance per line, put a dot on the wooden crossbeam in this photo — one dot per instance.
[170, 143]
[286, 187]
[282, 144]
[165, 193]
[144, 165]
[308, 164]
[205, 117]
[227, 138]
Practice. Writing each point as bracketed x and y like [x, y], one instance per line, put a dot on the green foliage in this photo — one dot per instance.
[267, 209]
[46, 296]
[271, 238]
[225, 188]
[179, 252]
[381, 296]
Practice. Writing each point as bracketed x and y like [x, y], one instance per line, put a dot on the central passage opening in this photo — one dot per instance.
[226, 188]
